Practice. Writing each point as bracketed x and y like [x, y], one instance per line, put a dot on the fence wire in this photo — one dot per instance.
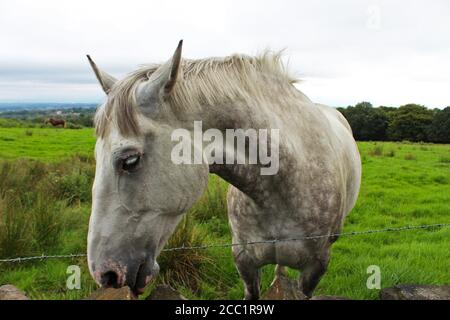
[227, 245]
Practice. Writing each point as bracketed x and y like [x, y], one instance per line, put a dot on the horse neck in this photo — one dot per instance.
[237, 115]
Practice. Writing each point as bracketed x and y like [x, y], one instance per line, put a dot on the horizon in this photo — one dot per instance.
[67, 103]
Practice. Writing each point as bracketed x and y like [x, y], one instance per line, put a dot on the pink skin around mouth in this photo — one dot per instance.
[120, 275]
[121, 279]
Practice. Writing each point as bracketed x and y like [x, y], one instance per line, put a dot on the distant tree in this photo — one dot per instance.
[388, 110]
[367, 123]
[410, 122]
[439, 129]
[85, 120]
[364, 104]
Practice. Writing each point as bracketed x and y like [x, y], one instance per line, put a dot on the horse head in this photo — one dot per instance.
[139, 195]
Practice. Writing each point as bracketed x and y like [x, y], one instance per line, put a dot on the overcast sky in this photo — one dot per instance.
[388, 52]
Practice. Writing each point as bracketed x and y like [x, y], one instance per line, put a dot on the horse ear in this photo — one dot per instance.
[174, 67]
[166, 75]
[106, 80]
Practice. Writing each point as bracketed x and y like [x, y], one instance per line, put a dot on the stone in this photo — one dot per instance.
[10, 292]
[283, 288]
[415, 292]
[123, 293]
[165, 292]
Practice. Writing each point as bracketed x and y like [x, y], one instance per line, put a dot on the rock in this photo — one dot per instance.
[165, 292]
[9, 292]
[415, 292]
[123, 293]
[283, 288]
[329, 298]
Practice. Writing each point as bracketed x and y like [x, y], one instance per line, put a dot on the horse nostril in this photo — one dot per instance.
[110, 279]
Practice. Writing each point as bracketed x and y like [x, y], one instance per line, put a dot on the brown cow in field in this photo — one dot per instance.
[56, 122]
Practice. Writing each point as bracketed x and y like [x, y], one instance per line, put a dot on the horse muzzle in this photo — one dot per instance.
[137, 276]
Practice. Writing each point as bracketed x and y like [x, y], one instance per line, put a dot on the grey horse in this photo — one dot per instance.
[140, 194]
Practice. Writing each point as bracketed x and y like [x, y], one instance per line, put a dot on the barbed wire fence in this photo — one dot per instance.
[229, 245]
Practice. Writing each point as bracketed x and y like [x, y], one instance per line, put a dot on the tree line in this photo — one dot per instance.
[410, 122]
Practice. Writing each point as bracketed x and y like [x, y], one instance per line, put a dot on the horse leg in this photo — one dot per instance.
[240, 207]
[250, 275]
[312, 272]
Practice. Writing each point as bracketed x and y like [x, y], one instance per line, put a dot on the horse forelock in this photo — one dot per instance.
[204, 81]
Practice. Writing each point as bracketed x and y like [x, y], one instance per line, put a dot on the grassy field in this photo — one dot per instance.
[45, 206]
[46, 144]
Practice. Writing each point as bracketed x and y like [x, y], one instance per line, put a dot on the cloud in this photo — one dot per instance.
[389, 52]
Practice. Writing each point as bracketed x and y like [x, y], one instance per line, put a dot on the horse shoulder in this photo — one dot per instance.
[334, 114]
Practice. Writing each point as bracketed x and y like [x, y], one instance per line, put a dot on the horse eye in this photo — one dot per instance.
[131, 162]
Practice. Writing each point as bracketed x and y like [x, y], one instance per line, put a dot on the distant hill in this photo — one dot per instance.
[30, 115]
[18, 106]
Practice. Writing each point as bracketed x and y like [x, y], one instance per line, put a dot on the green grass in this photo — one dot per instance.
[47, 144]
[395, 192]
[403, 184]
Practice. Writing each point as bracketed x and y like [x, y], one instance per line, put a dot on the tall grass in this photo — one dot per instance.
[410, 156]
[444, 159]
[15, 237]
[376, 151]
[33, 200]
[213, 202]
[183, 267]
